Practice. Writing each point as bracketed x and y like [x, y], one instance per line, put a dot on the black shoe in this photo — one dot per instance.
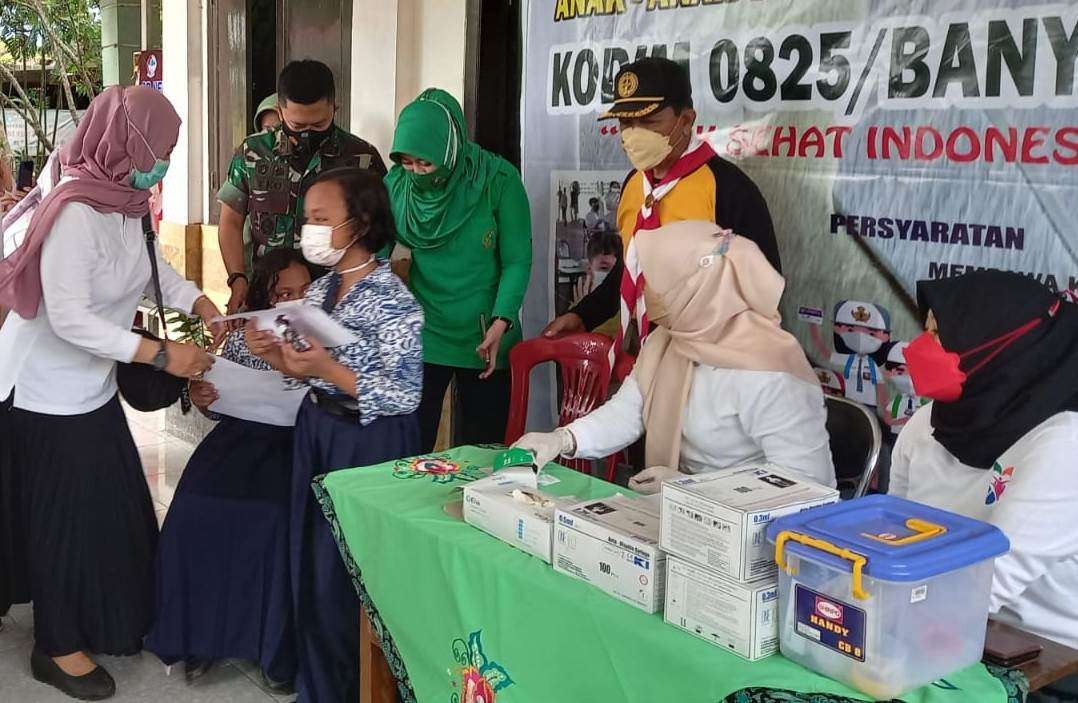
[95, 686]
[285, 688]
[195, 669]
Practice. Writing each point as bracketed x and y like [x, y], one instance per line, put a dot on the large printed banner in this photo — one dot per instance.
[893, 140]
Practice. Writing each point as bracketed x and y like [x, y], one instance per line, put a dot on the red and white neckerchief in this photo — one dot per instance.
[632, 277]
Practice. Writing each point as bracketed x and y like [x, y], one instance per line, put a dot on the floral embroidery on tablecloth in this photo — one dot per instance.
[440, 468]
[475, 679]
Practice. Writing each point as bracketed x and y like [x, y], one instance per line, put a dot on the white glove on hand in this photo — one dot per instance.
[547, 446]
[650, 480]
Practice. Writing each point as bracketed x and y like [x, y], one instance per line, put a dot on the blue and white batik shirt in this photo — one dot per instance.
[388, 357]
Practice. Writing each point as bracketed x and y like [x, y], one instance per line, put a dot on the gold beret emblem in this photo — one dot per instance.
[627, 84]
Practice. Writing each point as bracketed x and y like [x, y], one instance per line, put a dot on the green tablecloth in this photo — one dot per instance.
[465, 618]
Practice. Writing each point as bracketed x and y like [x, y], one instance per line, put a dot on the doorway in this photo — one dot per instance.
[492, 75]
[248, 41]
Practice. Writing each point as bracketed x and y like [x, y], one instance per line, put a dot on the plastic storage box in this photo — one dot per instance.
[883, 594]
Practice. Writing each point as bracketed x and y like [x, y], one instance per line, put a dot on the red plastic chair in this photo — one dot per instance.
[585, 372]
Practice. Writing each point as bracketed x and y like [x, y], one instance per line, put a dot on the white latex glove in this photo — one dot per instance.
[650, 480]
[547, 446]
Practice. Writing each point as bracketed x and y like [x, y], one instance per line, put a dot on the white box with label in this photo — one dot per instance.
[613, 544]
[514, 511]
[719, 519]
[739, 617]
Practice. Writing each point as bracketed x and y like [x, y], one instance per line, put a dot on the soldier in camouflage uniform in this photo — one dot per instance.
[271, 170]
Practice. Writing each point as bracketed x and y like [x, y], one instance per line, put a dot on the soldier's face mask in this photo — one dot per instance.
[308, 141]
[301, 123]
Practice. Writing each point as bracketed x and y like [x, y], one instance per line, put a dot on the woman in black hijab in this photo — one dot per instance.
[1018, 344]
[1000, 441]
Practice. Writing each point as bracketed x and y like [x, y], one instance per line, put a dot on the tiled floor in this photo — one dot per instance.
[144, 677]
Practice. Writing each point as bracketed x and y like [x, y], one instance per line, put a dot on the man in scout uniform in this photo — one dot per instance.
[675, 177]
[272, 169]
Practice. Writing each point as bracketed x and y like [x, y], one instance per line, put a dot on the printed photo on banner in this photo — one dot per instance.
[584, 231]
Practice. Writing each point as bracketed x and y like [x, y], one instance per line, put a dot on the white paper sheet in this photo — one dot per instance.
[249, 394]
[526, 477]
[308, 320]
[522, 475]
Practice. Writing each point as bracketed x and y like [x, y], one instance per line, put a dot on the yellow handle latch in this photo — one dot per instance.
[858, 560]
[922, 530]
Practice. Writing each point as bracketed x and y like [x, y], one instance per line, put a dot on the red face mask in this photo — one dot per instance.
[934, 370]
[937, 373]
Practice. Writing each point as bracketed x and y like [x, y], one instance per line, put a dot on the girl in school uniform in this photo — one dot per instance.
[223, 583]
[360, 409]
[999, 442]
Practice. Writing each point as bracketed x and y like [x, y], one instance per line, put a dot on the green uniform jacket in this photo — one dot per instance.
[482, 272]
[266, 184]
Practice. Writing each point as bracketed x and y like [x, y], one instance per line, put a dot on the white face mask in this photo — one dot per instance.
[861, 342]
[597, 278]
[316, 242]
[903, 384]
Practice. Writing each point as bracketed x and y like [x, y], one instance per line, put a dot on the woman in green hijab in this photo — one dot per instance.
[464, 214]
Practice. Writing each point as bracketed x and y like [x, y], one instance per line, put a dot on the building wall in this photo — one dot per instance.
[426, 39]
[182, 64]
[432, 49]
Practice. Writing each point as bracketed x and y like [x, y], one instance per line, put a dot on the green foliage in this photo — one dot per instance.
[59, 39]
[77, 23]
[187, 329]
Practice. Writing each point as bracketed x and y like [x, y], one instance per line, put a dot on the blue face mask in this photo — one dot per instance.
[144, 180]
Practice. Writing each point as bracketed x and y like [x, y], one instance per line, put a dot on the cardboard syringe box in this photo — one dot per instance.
[739, 617]
[490, 505]
[613, 544]
[719, 519]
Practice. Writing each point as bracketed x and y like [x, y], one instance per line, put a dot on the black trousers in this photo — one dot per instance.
[484, 405]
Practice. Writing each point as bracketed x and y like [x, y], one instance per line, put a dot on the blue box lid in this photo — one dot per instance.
[900, 539]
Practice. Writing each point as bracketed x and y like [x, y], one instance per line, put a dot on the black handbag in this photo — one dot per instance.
[142, 386]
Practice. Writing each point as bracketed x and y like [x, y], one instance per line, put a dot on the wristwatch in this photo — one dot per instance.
[233, 277]
[160, 359]
[506, 320]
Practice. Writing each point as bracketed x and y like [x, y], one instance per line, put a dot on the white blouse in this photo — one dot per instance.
[94, 270]
[1030, 494]
[732, 417]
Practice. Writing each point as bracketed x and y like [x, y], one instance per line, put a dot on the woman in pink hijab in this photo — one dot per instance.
[78, 514]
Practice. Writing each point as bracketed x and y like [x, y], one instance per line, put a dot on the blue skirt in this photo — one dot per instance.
[326, 605]
[223, 586]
